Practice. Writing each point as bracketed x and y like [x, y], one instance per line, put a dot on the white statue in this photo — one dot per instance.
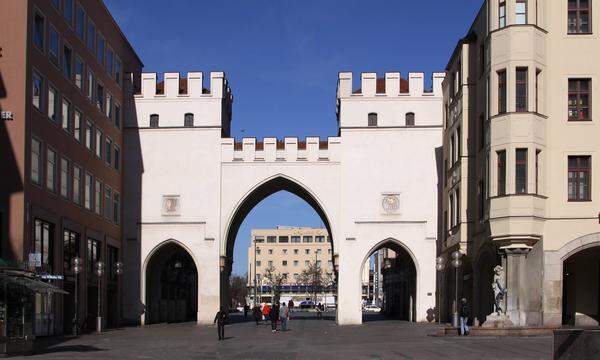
[499, 290]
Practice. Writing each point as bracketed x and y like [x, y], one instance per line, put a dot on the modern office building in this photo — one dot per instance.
[289, 251]
[63, 103]
[521, 141]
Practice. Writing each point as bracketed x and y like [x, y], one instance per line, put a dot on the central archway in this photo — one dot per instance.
[171, 285]
[250, 201]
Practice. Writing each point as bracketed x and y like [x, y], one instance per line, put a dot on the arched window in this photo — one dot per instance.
[154, 120]
[410, 119]
[189, 120]
[373, 119]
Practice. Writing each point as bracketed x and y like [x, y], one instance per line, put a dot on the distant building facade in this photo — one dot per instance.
[290, 251]
[64, 99]
[520, 146]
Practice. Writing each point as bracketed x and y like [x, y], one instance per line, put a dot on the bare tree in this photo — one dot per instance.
[312, 276]
[238, 289]
[275, 280]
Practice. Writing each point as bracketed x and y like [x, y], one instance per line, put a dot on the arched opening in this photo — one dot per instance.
[389, 283]
[581, 288]
[485, 293]
[273, 238]
[171, 286]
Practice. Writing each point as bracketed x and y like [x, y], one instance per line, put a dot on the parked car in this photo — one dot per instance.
[372, 308]
[307, 304]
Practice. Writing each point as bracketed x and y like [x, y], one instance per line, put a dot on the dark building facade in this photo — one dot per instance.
[63, 96]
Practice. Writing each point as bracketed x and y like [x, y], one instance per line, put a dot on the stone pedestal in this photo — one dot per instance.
[497, 321]
[516, 284]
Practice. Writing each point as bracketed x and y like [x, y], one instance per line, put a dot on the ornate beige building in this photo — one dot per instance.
[521, 140]
[290, 250]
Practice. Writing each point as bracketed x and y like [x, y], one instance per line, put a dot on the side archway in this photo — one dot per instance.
[171, 284]
[399, 271]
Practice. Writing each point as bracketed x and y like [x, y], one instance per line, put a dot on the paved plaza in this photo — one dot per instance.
[307, 338]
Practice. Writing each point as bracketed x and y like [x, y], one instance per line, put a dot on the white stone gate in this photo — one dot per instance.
[188, 183]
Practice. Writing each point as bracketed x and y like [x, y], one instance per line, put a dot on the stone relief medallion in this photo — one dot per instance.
[390, 203]
[171, 205]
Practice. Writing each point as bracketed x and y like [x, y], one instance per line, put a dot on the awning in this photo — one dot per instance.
[32, 284]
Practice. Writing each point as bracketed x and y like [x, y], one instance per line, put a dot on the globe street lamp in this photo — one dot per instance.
[76, 266]
[456, 262]
[99, 270]
[118, 271]
[439, 266]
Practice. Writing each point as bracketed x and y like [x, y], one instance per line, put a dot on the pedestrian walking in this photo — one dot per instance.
[284, 315]
[319, 311]
[221, 320]
[246, 308]
[274, 316]
[265, 311]
[465, 313]
[257, 314]
[290, 306]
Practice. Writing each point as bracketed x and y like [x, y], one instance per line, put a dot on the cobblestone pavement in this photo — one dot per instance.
[306, 339]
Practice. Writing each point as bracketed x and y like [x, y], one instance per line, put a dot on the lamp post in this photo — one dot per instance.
[76, 266]
[118, 271]
[456, 262]
[99, 269]
[439, 266]
[255, 276]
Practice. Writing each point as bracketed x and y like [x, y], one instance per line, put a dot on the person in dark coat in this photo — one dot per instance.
[246, 309]
[257, 314]
[221, 320]
[274, 316]
[465, 313]
[290, 305]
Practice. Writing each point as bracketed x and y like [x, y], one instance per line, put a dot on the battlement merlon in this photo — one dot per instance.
[393, 88]
[290, 149]
[174, 86]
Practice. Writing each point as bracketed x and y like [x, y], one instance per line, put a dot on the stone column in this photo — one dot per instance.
[513, 262]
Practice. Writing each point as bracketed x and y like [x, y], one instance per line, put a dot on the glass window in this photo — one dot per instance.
[99, 143]
[307, 251]
[91, 36]
[70, 248]
[579, 99]
[579, 176]
[77, 185]
[117, 115]
[88, 191]
[502, 92]
[270, 251]
[64, 177]
[39, 31]
[580, 15]
[108, 107]
[66, 115]
[521, 12]
[110, 61]
[410, 119]
[56, 4]
[521, 171]
[272, 239]
[118, 71]
[100, 96]
[90, 85]
[259, 239]
[307, 239]
[189, 120]
[284, 262]
[53, 104]
[36, 161]
[154, 121]
[89, 130]
[68, 11]
[79, 72]
[112, 259]
[53, 45]
[43, 235]
[521, 90]
[117, 208]
[501, 173]
[372, 118]
[295, 239]
[93, 255]
[80, 22]
[502, 14]
[296, 262]
[319, 239]
[306, 263]
[117, 158]
[77, 119]
[108, 151]
[108, 202]
[51, 170]
[284, 239]
[37, 90]
[101, 49]
[257, 264]
[98, 197]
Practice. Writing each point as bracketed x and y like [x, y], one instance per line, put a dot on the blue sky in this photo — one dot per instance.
[282, 58]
